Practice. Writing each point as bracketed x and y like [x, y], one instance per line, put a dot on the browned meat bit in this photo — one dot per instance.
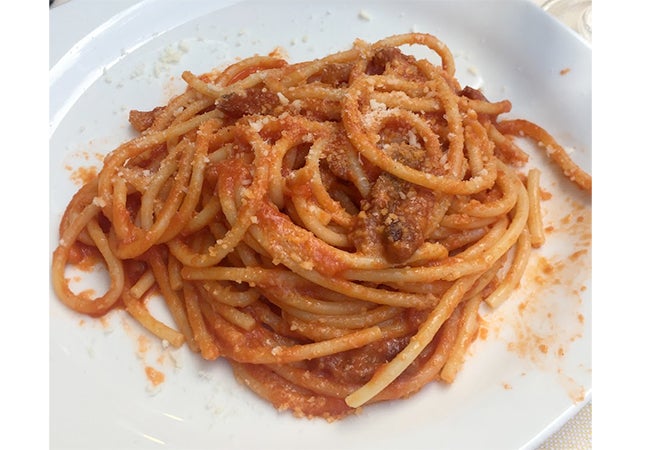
[255, 100]
[340, 155]
[142, 120]
[358, 365]
[338, 158]
[335, 74]
[392, 61]
[472, 94]
[475, 94]
[395, 217]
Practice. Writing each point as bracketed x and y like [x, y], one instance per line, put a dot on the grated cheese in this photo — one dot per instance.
[413, 139]
[170, 56]
[377, 110]
[283, 99]
[363, 15]
[256, 125]
[98, 201]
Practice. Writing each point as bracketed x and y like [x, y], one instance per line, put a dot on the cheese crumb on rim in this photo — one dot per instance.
[363, 14]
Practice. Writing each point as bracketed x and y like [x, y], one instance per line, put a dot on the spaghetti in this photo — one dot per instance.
[328, 227]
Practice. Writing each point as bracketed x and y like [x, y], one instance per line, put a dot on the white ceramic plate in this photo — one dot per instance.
[523, 380]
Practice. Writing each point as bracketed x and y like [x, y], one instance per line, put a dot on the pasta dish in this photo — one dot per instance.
[330, 227]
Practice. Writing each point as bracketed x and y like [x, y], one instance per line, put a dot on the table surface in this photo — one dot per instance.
[576, 434]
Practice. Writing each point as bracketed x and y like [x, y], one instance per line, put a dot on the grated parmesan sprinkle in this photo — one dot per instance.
[98, 201]
[363, 15]
[377, 110]
[257, 125]
[284, 101]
